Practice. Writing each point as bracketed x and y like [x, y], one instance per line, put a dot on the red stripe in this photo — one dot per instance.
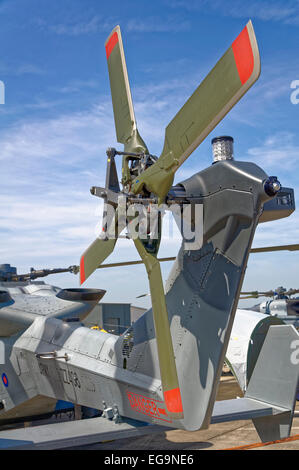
[173, 400]
[111, 43]
[243, 55]
[82, 273]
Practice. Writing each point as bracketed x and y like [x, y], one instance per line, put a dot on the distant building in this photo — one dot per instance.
[136, 312]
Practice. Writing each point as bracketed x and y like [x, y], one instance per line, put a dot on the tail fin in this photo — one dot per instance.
[275, 380]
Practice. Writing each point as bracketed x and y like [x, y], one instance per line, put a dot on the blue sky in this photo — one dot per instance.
[57, 120]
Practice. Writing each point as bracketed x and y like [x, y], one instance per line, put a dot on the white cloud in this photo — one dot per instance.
[156, 24]
[279, 151]
[48, 165]
[48, 217]
[265, 10]
[63, 141]
[278, 155]
[75, 86]
[96, 23]
[47, 168]
[21, 69]
[77, 26]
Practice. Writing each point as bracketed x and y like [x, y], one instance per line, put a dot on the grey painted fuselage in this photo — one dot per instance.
[65, 361]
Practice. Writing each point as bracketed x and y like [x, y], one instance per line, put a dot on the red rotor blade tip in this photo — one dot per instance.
[82, 272]
[111, 44]
[173, 400]
[243, 55]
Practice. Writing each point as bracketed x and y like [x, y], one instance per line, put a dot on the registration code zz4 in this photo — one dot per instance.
[171, 459]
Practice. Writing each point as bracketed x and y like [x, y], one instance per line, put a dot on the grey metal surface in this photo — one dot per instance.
[281, 206]
[275, 380]
[122, 374]
[95, 430]
[204, 284]
[247, 337]
[241, 409]
[30, 300]
[56, 359]
[113, 317]
[73, 433]
[276, 373]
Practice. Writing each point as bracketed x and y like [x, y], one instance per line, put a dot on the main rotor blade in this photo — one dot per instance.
[248, 297]
[291, 292]
[168, 371]
[256, 294]
[124, 116]
[227, 82]
[270, 293]
[132, 263]
[294, 247]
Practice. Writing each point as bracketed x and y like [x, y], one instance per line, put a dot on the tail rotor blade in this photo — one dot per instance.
[95, 254]
[228, 81]
[124, 116]
[168, 371]
[101, 248]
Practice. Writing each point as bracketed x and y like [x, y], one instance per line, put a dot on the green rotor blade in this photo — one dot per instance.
[95, 254]
[124, 116]
[102, 247]
[168, 371]
[227, 82]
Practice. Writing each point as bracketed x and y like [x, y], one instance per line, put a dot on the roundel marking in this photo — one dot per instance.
[5, 380]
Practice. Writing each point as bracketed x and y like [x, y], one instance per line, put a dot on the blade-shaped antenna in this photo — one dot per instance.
[223, 87]
[168, 371]
[124, 116]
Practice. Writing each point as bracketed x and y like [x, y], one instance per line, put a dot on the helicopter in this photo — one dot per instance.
[166, 367]
[282, 305]
[25, 286]
[23, 293]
